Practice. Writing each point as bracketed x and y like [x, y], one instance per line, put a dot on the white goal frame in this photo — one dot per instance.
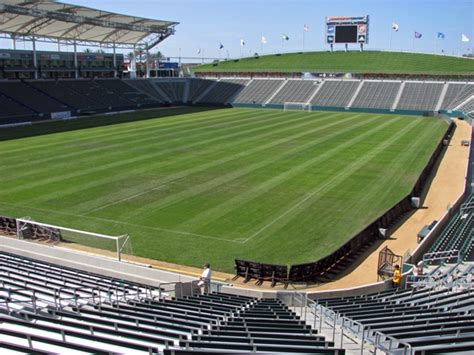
[120, 240]
[297, 106]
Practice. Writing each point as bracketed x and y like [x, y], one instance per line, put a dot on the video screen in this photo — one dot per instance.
[346, 34]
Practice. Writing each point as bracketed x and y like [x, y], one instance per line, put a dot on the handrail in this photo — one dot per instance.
[391, 340]
[9, 300]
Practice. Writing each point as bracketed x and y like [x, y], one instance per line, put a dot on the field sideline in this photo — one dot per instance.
[266, 185]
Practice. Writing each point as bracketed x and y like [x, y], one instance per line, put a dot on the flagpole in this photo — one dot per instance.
[391, 34]
[304, 32]
[460, 45]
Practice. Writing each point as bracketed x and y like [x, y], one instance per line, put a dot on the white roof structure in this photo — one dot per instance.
[52, 20]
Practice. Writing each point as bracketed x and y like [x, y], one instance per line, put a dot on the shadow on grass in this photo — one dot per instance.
[50, 126]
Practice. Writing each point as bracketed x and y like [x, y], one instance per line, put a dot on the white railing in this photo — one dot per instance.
[442, 256]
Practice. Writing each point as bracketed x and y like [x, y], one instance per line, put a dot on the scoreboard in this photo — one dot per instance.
[340, 29]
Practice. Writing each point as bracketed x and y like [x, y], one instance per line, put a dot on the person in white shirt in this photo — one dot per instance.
[205, 280]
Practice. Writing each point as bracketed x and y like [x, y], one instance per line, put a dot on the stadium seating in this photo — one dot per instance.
[435, 320]
[223, 91]
[295, 91]
[454, 90]
[377, 94]
[146, 87]
[119, 88]
[458, 234]
[420, 96]
[335, 93]
[174, 89]
[464, 94]
[32, 98]
[258, 91]
[48, 308]
[197, 87]
[11, 110]
[62, 93]
[103, 98]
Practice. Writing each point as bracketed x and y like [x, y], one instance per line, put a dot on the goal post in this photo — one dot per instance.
[297, 106]
[28, 229]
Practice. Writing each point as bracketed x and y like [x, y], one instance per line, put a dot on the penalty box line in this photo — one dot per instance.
[158, 229]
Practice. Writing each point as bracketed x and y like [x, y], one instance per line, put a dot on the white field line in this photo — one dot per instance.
[122, 200]
[158, 229]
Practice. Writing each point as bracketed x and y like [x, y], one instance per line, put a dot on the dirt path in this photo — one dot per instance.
[447, 185]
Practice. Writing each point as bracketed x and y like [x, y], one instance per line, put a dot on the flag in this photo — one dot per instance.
[395, 27]
[285, 37]
[242, 42]
[418, 34]
[440, 35]
[264, 40]
[306, 28]
[464, 38]
[221, 46]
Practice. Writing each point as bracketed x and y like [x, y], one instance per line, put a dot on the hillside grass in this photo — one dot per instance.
[211, 186]
[347, 62]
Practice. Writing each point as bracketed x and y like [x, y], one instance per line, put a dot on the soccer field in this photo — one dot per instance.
[266, 185]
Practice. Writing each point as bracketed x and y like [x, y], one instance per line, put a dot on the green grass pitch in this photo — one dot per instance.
[211, 186]
[347, 62]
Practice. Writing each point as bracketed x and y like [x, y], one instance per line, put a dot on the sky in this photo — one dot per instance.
[205, 24]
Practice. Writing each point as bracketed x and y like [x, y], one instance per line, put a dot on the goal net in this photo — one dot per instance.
[296, 106]
[28, 229]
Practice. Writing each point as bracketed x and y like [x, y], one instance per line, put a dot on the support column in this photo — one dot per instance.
[133, 66]
[115, 61]
[147, 63]
[76, 68]
[35, 62]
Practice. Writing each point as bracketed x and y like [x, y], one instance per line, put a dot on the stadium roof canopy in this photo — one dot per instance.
[52, 20]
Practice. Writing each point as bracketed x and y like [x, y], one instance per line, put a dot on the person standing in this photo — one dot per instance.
[396, 276]
[416, 273]
[205, 279]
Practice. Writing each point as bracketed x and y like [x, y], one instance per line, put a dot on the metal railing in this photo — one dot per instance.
[348, 326]
[442, 256]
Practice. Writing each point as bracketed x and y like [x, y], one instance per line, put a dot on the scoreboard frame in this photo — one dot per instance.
[347, 30]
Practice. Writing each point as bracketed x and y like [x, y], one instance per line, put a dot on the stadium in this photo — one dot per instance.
[304, 178]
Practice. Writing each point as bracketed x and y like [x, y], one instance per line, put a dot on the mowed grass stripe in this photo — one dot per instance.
[256, 192]
[378, 194]
[275, 190]
[41, 154]
[238, 153]
[345, 209]
[138, 144]
[272, 225]
[94, 165]
[211, 222]
[111, 175]
[210, 185]
[116, 130]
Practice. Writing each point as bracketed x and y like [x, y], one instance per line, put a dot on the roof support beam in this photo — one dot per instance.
[74, 18]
